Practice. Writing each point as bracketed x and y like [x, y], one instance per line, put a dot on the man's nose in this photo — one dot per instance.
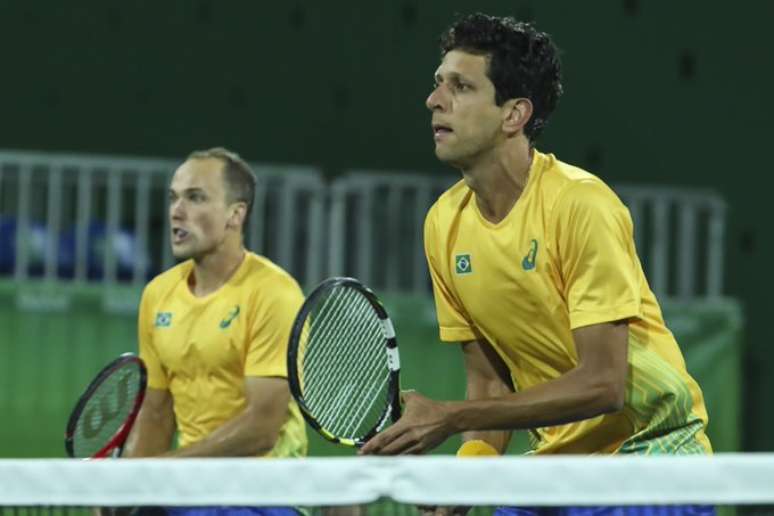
[434, 101]
[176, 210]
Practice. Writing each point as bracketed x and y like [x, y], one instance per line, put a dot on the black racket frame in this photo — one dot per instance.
[392, 408]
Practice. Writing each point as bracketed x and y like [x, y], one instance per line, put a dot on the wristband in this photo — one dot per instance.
[476, 448]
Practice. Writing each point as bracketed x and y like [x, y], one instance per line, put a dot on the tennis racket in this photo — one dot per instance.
[343, 363]
[101, 420]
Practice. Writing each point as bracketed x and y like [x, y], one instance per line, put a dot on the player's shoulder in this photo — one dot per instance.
[450, 202]
[558, 176]
[168, 279]
[562, 184]
[454, 198]
[260, 272]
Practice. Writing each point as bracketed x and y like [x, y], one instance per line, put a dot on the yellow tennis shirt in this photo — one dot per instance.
[563, 258]
[202, 348]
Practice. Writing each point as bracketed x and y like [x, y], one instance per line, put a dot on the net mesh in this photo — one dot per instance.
[106, 410]
[342, 362]
[569, 486]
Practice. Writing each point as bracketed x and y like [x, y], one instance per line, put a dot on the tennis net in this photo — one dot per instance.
[734, 483]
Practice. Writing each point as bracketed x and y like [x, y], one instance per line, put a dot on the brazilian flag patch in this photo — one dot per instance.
[462, 264]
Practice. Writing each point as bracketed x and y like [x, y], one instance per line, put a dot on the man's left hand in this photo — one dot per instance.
[423, 426]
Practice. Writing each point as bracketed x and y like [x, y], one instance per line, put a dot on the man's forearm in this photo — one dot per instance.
[483, 389]
[245, 435]
[155, 426]
[572, 397]
[149, 437]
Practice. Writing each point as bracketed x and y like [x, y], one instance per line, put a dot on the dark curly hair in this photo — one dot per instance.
[523, 62]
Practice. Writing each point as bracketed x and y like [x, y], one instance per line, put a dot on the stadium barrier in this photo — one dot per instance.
[70, 217]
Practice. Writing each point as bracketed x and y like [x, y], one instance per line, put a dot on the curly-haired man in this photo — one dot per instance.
[536, 274]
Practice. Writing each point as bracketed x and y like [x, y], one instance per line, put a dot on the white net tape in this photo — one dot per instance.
[720, 479]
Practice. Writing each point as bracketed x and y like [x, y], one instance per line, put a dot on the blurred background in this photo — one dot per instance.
[669, 102]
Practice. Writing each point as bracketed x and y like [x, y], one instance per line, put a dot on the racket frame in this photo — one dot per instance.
[392, 409]
[116, 442]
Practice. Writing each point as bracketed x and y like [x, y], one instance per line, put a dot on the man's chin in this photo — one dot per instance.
[182, 254]
[442, 155]
[447, 157]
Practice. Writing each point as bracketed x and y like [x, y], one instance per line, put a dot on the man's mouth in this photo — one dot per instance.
[440, 130]
[179, 234]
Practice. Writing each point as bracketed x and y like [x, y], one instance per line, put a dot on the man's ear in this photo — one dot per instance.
[516, 114]
[238, 214]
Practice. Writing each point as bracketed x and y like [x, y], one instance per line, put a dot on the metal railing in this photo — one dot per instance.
[74, 218]
[377, 219]
[376, 228]
[680, 237]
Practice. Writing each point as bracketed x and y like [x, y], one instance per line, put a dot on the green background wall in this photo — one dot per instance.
[49, 358]
[656, 92]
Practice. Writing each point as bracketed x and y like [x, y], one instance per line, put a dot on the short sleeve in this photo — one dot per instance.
[270, 330]
[453, 323]
[597, 256]
[157, 377]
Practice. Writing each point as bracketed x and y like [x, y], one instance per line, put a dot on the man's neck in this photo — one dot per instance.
[213, 271]
[498, 180]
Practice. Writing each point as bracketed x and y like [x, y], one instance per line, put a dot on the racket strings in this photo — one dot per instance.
[320, 328]
[343, 358]
[367, 393]
[354, 334]
[341, 330]
[345, 332]
[355, 422]
[324, 326]
[106, 410]
[361, 339]
[344, 417]
[326, 335]
[369, 372]
[337, 305]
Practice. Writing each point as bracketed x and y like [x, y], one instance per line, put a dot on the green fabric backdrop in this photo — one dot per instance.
[52, 342]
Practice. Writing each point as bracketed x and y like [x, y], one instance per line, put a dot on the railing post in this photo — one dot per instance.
[337, 228]
[53, 217]
[21, 262]
[83, 213]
